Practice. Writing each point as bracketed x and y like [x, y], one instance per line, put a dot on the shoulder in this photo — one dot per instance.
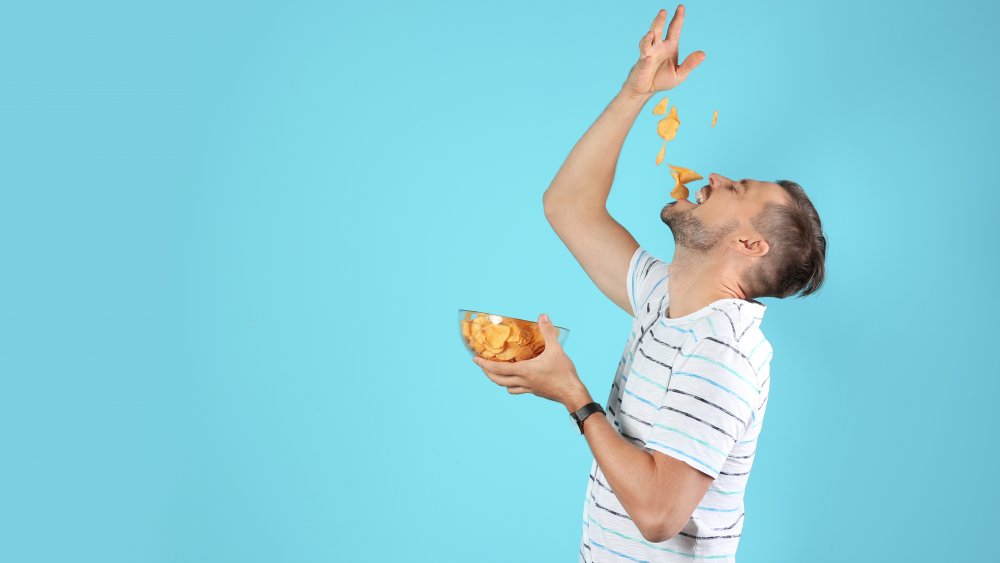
[719, 351]
[643, 264]
[730, 346]
[737, 322]
[647, 280]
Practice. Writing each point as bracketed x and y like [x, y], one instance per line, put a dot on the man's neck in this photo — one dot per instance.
[696, 281]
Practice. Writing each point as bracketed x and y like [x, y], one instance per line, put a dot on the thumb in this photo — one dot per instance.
[689, 64]
[548, 330]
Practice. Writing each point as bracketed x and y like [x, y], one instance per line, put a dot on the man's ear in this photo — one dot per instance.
[754, 246]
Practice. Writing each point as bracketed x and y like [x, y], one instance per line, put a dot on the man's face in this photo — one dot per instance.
[724, 212]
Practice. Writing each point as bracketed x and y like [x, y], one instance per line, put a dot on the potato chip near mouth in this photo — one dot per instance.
[684, 175]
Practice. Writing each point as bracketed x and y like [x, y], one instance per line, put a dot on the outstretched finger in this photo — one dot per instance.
[657, 27]
[674, 30]
[689, 64]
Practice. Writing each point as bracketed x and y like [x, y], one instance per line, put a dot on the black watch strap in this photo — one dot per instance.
[586, 410]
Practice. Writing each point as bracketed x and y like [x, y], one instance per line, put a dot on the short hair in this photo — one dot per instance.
[795, 261]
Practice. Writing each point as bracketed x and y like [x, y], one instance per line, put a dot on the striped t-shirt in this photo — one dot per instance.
[694, 388]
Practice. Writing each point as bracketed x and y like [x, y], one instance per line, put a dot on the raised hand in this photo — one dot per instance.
[657, 68]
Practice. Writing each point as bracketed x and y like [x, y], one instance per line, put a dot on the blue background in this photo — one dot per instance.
[235, 236]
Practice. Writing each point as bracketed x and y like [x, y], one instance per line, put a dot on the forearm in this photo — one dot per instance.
[629, 469]
[586, 176]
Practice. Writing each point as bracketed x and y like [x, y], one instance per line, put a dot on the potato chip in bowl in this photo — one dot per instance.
[502, 339]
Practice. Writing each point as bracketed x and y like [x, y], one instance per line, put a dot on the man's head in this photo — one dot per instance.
[767, 232]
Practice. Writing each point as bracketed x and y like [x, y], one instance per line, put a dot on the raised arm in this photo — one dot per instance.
[576, 201]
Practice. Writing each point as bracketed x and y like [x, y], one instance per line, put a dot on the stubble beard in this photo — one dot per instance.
[690, 232]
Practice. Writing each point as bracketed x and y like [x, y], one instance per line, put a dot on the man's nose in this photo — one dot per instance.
[718, 180]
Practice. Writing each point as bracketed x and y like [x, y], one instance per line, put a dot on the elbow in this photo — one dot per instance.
[546, 204]
[551, 214]
[557, 206]
[553, 202]
[660, 529]
[656, 535]
[554, 209]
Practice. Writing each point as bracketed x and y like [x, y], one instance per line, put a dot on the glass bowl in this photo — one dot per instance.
[501, 338]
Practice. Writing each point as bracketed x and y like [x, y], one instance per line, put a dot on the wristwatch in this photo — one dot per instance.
[586, 410]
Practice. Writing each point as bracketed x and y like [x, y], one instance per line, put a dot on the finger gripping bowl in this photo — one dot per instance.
[501, 338]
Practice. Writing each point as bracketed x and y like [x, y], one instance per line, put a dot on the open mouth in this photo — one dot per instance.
[701, 196]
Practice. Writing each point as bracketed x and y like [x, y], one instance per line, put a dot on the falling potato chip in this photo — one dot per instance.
[715, 117]
[659, 157]
[678, 186]
[680, 191]
[667, 127]
[684, 175]
[661, 108]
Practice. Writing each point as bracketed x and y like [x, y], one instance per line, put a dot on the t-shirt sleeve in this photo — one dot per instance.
[710, 400]
[645, 274]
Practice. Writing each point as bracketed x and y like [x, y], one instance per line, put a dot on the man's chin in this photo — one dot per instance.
[675, 208]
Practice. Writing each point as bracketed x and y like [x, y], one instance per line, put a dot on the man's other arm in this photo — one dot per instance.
[576, 201]
[658, 492]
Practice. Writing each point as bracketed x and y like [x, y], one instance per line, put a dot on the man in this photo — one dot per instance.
[673, 451]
